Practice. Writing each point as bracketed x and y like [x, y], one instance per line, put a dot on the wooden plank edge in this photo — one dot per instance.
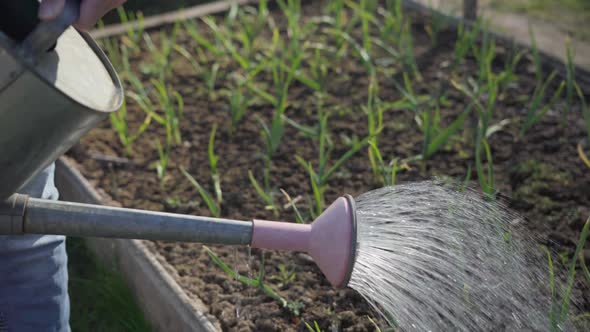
[165, 304]
[155, 21]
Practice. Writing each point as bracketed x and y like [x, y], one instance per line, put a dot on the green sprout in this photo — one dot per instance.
[293, 307]
[314, 328]
[214, 201]
[435, 137]
[508, 75]
[133, 35]
[211, 203]
[485, 176]
[535, 111]
[265, 196]
[164, 157]
[191, 28]
[173, 109]
[386, 173]
[559, 311]
[226, 41]
[319, 178]
[119, 124]
[570, 79]
[485, 55]
[160, 67]
[273, 135]
[237, 107]
[213, 159]
[285, 276]
[207, 73]
[483, 129]
[466, 39]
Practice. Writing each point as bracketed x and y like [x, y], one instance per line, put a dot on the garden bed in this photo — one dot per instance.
[539, 169]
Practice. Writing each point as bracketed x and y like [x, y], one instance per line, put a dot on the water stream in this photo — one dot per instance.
[433, 257]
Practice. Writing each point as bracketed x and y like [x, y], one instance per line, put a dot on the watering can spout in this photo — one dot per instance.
[330, 240]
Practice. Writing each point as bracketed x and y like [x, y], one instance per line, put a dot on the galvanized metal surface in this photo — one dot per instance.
[12, 213]
[45, 109]
[89, 220]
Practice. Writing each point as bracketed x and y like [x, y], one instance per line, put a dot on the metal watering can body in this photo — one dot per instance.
[55, 85]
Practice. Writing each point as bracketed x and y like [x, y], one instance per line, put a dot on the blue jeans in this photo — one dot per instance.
[34, 274]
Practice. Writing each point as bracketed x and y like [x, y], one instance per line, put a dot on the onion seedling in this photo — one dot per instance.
[435, 137]
[251, 25]
[485, 55]
[116, 52]
[211, 203]
[202, 42]
[314, 328]
[213, 159]
[411, 100]
[386, 173]
[293, 306]
[292, 11]
[482, 132]
[214, 204]
[485, 176]
[365, 14]
[119, 123]
[173, 109]
[285, 276]
[238, 104]
[208, 73]
[364, 56]
[133, 34]
[559, 311]
[466, 38]
[336, 8]
[319, 179]
[535, 112]
[226, 41]
[437, 24]
[163, 158]
[586, 115]
[508, 75]
[394, 20]
[272, 135]
[570, 79]
[161, 65]
[266, 197]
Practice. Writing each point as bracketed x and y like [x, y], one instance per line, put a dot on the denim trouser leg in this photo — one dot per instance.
[34, 275]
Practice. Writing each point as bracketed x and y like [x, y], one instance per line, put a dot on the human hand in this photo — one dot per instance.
[90, 11]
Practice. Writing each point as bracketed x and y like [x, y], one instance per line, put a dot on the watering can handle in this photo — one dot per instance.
[45, 34]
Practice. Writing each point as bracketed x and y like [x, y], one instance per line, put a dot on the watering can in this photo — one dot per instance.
[55, 85]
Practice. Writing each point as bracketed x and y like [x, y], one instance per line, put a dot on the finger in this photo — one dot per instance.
[92, 10]
[50, 9]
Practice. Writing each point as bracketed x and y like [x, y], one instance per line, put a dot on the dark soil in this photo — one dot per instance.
[541, 172]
